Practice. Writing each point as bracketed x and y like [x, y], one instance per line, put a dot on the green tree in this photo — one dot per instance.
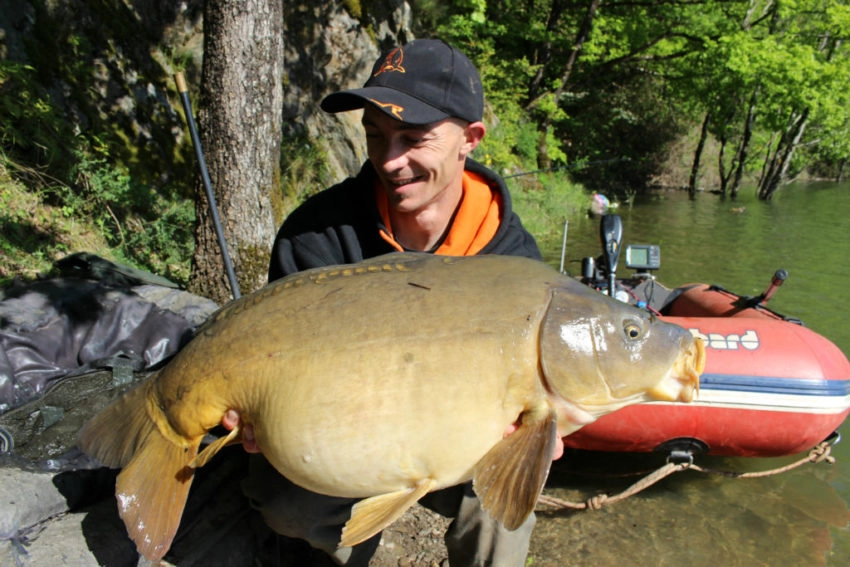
[809, 67]
[770, 72]
[621, 80]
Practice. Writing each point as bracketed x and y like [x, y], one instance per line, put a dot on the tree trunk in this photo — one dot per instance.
[744, 149]
[240, 129]
[723, 123]
[543, 161]
[546, 50]
[721, 166]
[703, 136]
[777, 173]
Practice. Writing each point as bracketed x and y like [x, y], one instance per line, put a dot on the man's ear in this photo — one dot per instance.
[474, 132]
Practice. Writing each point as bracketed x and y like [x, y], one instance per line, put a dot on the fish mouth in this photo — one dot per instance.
[682, 381]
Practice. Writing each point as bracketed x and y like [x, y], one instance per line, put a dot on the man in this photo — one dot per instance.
[418, 191]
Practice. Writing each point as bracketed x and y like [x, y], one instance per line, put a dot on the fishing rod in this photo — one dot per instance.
[205, 177]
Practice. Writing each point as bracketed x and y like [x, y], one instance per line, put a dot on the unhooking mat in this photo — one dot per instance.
[96, 315]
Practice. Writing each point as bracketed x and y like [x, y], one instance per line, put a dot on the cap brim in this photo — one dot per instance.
[395, 104]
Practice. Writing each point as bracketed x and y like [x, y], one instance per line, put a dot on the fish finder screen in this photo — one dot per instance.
[643, 257]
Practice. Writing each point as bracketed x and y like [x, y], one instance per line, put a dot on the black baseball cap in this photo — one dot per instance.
[420, 82]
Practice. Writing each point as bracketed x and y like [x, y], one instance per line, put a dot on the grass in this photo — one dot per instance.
[33, 233]
[41, 221]
[544, 200]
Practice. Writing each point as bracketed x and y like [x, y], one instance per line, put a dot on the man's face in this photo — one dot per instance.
[418, 165]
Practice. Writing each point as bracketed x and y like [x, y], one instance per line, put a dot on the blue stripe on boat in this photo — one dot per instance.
[774, 385]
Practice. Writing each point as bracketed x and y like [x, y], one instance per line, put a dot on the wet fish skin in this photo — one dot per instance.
[388, 379]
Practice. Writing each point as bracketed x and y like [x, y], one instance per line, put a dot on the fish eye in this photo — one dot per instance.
[632, 330]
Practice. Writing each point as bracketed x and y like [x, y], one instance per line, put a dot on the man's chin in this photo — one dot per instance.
[402, 201]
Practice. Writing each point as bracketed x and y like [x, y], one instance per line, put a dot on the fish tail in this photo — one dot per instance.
[151, 492]
[114, 434]
[132, 433]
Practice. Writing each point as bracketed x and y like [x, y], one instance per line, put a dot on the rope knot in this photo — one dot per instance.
[821, 453]
[596, 502]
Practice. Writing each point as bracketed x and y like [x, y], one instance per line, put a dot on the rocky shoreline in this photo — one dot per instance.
[70, 518]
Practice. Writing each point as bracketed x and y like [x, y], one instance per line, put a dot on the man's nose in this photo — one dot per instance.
[391, 155]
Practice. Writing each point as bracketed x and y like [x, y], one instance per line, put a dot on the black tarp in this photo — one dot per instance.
[70, 325]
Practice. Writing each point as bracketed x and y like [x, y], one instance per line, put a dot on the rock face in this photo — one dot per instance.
[328, 49]
[108, 67]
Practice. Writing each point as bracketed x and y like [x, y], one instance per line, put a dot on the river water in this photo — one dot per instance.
[799, 517]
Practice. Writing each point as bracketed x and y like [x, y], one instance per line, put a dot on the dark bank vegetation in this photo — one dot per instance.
[583, 95]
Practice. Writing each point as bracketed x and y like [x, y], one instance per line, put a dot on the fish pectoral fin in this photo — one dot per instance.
[510, 477]
[210, 450]
[371, 515]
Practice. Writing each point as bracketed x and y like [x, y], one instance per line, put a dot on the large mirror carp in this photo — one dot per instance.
[388, 379]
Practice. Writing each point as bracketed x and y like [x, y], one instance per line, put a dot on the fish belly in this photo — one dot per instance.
[390, 417]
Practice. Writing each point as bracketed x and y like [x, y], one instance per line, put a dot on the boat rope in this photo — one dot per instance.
[819, 454]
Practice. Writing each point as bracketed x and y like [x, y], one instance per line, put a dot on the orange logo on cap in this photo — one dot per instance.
[393, 62]
[394, 109]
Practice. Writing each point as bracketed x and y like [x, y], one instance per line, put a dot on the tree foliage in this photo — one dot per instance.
[616, 82]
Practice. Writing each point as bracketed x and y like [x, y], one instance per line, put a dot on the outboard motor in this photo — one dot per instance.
[611, 234]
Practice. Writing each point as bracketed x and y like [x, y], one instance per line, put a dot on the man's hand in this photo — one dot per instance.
[232, 419]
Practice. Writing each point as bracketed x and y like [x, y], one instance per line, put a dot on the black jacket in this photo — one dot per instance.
[341, 225]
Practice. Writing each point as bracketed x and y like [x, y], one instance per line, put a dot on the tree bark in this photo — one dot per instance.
[777, 173]
[543, 161]
[703, 136]
[744, 149]
[239, 120]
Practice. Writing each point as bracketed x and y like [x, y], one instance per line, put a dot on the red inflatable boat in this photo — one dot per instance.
[771, 386]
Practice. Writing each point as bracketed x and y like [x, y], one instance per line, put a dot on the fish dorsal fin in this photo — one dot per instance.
[210, 450]
[510, 477]
[372, 515]
[151, 492]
